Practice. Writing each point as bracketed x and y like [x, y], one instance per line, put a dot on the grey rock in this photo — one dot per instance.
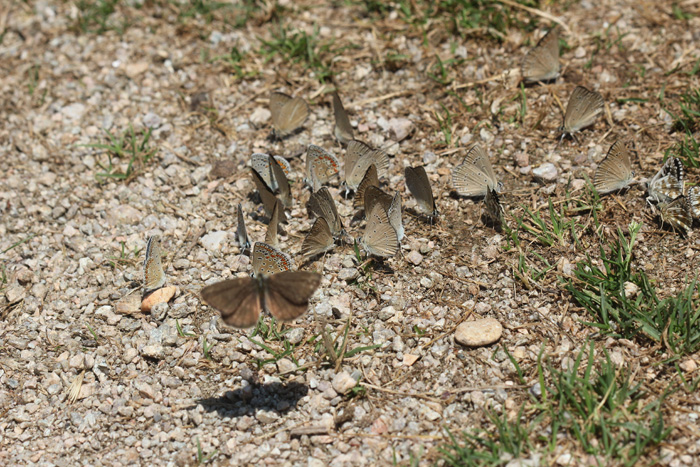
[479, 332]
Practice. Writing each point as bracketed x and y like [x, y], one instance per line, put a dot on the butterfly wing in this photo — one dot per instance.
[375, 195]
[321, 166]
[321, 204]
[153, 274]
[469, 180]
[542, 62]
[583, 109]
[694, 201]
[478, 156]
[266, 195]
[238, 301]
[370, 179]
[359, 157]
[273, 225]
[269, 260]
[394, 213]
[343, 129]
[241, 231]
[677, 214]
[261, 164]
[419, 185]
[319, 239]
[615, 171]
[380, 238]
[288, 113]
[493, 211]
[287, 294]
[283, 188]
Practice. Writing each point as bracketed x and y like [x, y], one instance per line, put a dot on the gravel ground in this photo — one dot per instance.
[148, 393]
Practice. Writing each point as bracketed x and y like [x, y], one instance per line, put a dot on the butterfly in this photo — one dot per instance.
[261, 163]
[318, 240]
[694, 201]
[677, 214]
[493, 211]
[370, 179]
[321, 166]
[392, 205]
[343, 130]
[380, 238]
[269, 260]
[321, 204]
[542, 62]
[615, 171]
[668, 183]
[153, 274]
[285, 295]
[358, 157]
[475, 175]
[273, 225]
[241, 232]
[375, 195]
[419, 185]
[284, 191]
[394, 213]
[582, 110]
[267, 196]
[288, 113]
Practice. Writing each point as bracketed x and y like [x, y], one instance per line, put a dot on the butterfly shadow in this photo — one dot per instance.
[275, 397]
[422, 218]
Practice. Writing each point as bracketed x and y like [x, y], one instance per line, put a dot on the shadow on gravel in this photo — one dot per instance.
[277, 397]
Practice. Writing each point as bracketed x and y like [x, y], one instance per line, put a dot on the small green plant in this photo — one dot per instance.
[201, 458]
[602, 409]
[551, 229]
[299, 47]
[235, 61]
[445, 123]
[92, 332]
[206, 348]
[123, 257]
[100, 16]
[508, 438]
[440, 70]
[607, 295]
[130, 147]
[181, 332]
[592, 403]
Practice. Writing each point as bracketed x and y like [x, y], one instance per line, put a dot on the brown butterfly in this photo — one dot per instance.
[284, 295]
